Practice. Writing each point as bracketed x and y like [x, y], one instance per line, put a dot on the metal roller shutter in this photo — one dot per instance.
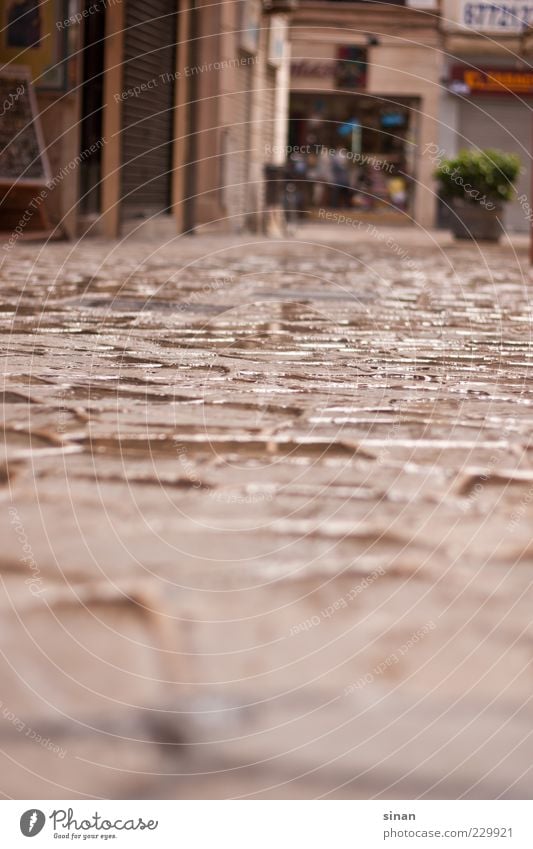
[269, 107]
[500, 124]
[149, 56]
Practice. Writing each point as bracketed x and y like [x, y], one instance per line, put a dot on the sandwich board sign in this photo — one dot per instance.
[23, 161]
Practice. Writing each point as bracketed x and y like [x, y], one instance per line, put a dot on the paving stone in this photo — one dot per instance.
[266, 518]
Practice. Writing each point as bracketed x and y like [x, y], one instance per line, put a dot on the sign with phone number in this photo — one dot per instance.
[487, 17]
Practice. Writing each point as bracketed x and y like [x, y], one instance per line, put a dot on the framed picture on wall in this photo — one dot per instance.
[351, 67]
[23, 158]
[33, 34]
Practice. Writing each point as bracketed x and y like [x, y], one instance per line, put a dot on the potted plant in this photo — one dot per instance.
[477, 183]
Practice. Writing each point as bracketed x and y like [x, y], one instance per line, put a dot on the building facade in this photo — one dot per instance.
[153, 110]
[365, 80]
[241, 93]
[168, 111]
[488, 87]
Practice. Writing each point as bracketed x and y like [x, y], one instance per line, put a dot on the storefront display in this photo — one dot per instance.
[356, 147]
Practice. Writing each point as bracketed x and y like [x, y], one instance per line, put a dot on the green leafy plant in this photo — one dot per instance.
[475, 175]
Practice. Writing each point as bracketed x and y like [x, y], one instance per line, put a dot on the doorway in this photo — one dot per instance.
[92, 108]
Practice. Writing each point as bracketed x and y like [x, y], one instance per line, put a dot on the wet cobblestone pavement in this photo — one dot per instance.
[266, 523]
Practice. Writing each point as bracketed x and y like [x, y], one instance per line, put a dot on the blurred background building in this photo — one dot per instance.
[167, 103]
[488, 85]
[365, 76]
[168, 112]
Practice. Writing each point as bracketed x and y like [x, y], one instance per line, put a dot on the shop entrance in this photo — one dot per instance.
[354, 152]
[92, 108]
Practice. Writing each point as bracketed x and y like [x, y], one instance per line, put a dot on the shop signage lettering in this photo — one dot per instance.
[313, 68]
[501, 81]
[347, 71]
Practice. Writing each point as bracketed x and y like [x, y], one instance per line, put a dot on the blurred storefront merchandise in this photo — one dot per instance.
[356, 161]
[364, 104]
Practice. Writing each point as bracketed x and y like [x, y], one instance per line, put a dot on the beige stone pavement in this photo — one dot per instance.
[266, 518]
